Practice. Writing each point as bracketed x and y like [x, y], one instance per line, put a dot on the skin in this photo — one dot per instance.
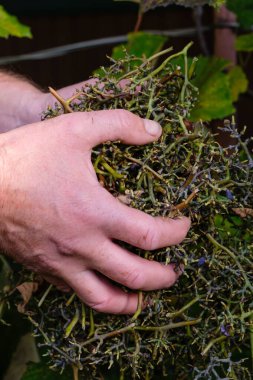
[57, 219]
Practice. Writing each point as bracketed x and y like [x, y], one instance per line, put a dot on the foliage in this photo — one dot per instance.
[140, 45]
[218, 90]
[244, 43]
[194, 330]
[238, 82]
[244, 11]
[10, 26]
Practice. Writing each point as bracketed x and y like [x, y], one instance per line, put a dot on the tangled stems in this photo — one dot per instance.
[233, 256]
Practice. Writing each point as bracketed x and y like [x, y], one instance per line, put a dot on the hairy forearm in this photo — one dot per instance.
[19, 102]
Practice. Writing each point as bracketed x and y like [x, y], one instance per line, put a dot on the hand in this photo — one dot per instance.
[59, 221]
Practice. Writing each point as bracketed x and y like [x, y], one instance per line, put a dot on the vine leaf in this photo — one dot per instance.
[10, 26]
[238, 82]
[141, 45]
[244, 43]
[243, 10]
[215, 96]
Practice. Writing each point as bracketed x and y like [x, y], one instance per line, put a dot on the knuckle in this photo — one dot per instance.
[149, 239]
[135, 280]
[43, 263]
[72, 125]
[126, 117]
[102, 305]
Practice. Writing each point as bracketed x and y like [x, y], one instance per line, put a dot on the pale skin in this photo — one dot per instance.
[56, 218]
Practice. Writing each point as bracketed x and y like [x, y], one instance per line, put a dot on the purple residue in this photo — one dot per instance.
[201, 261]
[224, 330]
[229, 195]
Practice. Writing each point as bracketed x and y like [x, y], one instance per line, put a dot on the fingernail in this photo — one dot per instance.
[152, 127]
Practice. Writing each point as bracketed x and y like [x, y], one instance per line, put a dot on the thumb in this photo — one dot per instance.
[97, 127]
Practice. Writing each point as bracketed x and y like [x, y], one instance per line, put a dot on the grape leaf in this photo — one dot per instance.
[243, 10]
[10, 26]
[215, 95]
[238, 82]
[244, 43]
[140, 44]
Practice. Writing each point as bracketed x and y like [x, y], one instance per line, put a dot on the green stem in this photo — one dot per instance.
[184, 308]
[45, 295]
[102, 337]
[170, 326]
[111, 170]
[139, 307]
[132, 327]
[181, 121]
[139, 162]
[72, 324]
[150, 59]
[164, 64]
[181, 140]
[92, 324]
[150, 103]
[151, 189]
[83, 322]
[233, 256]
[212, 343]
[71, 299]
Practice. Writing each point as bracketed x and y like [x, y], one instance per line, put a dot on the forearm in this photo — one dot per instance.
[22, 103]
[19, 102]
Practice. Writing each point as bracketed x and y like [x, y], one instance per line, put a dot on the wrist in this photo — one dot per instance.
[19, 103]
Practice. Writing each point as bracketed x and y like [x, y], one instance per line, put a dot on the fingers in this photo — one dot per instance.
[98, 293]
[144, 231]
[93, 128]
[58, 283]
[131, 270]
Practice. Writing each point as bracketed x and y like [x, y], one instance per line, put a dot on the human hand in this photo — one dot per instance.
[59, 221]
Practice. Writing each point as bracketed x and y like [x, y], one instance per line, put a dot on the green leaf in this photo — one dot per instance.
[244, 11]
[10, 26]
[238, 82]
[140, 44]
[41, 371]
[244, 43]
[215, 97]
